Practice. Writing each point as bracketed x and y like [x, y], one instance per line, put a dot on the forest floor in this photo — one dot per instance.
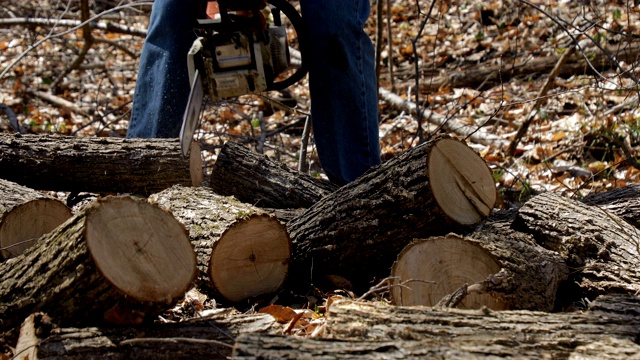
[480, 66]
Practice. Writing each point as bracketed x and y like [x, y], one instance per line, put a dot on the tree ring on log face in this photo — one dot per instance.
[25, 223]
[461, 182]
[442, 265]
[140, 249]
[251, 258]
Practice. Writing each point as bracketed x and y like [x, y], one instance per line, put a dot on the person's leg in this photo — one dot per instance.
[162, 86]
[344, 99]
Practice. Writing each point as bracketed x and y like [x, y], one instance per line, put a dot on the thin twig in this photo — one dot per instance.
[390, 46]
[540, 99]
[106, 26]
[175, 340]
[414, 44]
[68, 31]
[304, 143]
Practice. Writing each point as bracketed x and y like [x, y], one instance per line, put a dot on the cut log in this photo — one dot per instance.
[212, 338]
[623, 202]
[356, 232]
[499, 268]
[254, 179]
[25, 215]
[242, 251]
[121, 260]
[433, 268]
[602, 246]
[374, 330]
[100, 165]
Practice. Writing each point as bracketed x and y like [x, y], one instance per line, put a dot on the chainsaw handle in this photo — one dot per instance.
[298, 24]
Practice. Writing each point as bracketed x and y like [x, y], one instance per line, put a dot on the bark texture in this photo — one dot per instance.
[120, 261]
[358, 230]
[25, 215]
[254, 179]
[101, 165]
[602, 246]
[530, 274]
[242, 252]
[623, 202]
[374, 330]
[211, 338]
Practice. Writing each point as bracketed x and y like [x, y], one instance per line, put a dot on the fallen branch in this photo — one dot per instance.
[106, 26]
[448, 124]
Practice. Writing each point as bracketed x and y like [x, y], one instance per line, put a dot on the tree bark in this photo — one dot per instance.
[374, 330]
[498, 268]
[516, 333]
[254, 179]
[623, 202]
[438, 187]
[602, 246]
[100, 165]
[242, 251]
[25, 215]
[121, 261]
[212, 338]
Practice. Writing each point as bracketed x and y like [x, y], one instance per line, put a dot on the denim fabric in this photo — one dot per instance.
[162, 86]
[342, 83]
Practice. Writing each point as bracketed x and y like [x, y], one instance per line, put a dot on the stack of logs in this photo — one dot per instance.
[423, 223]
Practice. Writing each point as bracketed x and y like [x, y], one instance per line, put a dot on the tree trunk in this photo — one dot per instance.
[435, 188]
[100, 165]
[242, 251]
[184, 340]
[602, 246]
[119, 261]
[254, 179]
[501, 270]
[25, 215]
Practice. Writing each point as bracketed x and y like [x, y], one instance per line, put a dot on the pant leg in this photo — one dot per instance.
[162, 87]
[344, 99]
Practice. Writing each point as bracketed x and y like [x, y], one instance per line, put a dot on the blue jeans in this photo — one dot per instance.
[342, 83]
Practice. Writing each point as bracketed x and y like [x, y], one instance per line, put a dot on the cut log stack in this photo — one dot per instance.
[424, 217]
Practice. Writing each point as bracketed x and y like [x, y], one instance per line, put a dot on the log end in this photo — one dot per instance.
[429, 270]
[251, 258]
[140, 249]
[461, 182]
[25, 223]
[196, 167]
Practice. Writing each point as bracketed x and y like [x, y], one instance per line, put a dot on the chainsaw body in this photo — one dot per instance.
[237, 54]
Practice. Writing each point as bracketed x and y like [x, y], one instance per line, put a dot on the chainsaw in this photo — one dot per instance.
[240, 51]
